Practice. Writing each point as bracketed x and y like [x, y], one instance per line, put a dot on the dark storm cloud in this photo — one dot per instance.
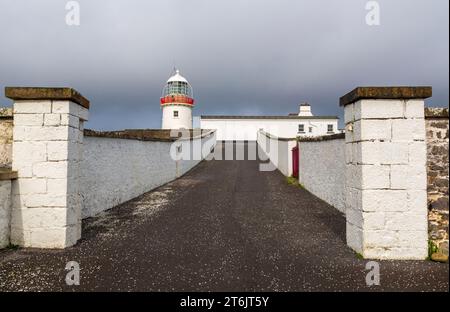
[241, 56]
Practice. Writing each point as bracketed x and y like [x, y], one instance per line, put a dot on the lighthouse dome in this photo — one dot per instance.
[177, 77]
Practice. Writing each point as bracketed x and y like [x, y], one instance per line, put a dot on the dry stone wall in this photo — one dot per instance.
[6, 129]
[437, 131]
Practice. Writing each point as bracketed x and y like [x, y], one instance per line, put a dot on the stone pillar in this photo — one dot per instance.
[386, 198]
[47, 151]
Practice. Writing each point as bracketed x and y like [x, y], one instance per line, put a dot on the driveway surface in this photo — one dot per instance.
[224, 226]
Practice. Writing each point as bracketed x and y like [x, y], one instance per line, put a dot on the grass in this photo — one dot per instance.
[359, 256]
[432, 248]
[293, 181]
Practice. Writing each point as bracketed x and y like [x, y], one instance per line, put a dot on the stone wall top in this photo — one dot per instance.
[7, 174]
[385, 93]
[144, 134]
[436, 112]
[335, 136]
[32, 93]
[6, 113]
[274, 137]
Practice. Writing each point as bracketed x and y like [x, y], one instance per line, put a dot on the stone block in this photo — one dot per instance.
[355, 217]
[354, 237]
[20, 236]
[384, 200]
[29, 186]
[380, 238]
[32, 107]
[65, 107]
[83, 113]
[26, 153]
[348, 113]
[49, 237]
[417, 151]
[50, 169]
[63, 150]
[353, 199]
[408, 130]
[33, 218]
[70, 120]
[28, 119]
[397, 221]
[417, 202]
[412, 238]
[379, 109]
[384, 153]
[414, 109]
[45, 200]
[52, 119]
[24, 133]
[353, 175]
[375, 176]
[408, 177]
[372, 129]
[395, 253]
[373, 221]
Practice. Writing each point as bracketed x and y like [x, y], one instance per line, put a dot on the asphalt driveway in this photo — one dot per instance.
[224, 226]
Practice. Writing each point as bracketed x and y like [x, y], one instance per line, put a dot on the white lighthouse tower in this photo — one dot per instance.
[177, 103]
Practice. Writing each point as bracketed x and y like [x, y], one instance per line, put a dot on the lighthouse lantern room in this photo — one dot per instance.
[176, 103]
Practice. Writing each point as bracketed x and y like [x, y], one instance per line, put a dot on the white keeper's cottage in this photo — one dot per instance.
[239, 128]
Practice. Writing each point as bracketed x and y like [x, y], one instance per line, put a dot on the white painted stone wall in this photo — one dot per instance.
[278, 150]
[5, 212]
[322, 170]
[386, 199]
[246, 129]
[117, 170]
[47, 152]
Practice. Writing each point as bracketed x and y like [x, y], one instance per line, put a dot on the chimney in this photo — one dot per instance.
[305, 110]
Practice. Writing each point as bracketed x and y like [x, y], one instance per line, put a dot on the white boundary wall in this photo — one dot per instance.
[322, 170]
[278, 150]
[117, 170]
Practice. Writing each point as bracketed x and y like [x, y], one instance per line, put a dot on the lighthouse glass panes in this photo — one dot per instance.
[177, 88]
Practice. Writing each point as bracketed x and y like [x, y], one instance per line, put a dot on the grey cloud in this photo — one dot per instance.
[241, 56]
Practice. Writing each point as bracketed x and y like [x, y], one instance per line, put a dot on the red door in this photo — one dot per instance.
[295, 162]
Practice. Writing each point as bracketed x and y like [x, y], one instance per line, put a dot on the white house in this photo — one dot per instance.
[241, 128]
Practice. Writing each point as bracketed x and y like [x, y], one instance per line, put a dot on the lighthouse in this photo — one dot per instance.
[177, 103]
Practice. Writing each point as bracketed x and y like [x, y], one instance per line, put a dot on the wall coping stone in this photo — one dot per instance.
[436, 112]
[6, 113]
[38, 93]
[361, 93]
[336, 136]
[7, 174]
[161, 135]
[274, 137]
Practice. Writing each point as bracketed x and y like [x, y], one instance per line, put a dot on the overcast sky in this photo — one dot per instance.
[240, 56]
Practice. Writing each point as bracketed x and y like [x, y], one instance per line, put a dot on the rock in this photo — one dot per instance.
[439, 257]
[443, 247]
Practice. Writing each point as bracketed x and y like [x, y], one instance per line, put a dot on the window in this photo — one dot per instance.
[330, 128]
[175, 114]
[301, 128]
[310, 129]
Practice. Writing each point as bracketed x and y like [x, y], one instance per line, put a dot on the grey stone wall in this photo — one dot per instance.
[437, 129]
[6, 125]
